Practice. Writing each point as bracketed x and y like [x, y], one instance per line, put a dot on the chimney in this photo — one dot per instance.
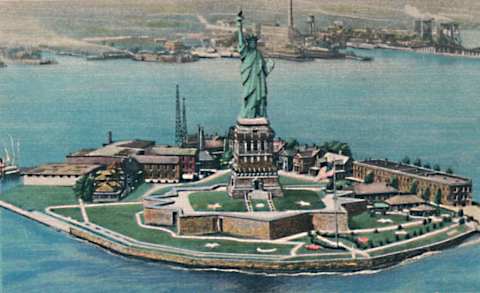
[290, 13]
[109, 139]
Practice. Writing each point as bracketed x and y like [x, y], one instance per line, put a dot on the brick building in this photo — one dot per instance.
[188, 158]
[455, 190]
[160, 169]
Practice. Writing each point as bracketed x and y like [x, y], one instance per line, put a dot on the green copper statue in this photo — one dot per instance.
[254, 72]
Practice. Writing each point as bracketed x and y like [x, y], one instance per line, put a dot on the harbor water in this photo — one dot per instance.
[401, 104]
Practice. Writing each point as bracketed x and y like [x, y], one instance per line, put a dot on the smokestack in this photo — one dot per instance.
[109, 139]
[290, 13]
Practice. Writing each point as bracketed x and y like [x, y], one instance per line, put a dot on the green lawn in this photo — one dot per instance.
[287, 180]
[138, 193]
[222, 179]
[291, 199]
[365, 220]
[200, 201]
[256, 202]
[39, 197]
[73, 213]
[389, 236]
[121, 219]
[422, 242]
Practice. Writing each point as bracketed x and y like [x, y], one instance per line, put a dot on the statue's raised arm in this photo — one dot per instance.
[241, 37]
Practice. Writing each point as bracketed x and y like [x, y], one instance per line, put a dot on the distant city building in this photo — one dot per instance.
[424, 28]
[455, 190]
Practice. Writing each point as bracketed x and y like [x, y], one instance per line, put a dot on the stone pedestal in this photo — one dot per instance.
[253, 167]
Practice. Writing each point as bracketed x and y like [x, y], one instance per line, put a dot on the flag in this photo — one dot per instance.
[327, 171]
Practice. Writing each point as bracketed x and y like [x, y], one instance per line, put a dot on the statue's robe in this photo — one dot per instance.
[254, 82]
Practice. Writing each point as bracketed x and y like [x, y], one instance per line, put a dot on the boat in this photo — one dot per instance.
[206, 53]
[8, 167]
[352, 56]
[360, 45]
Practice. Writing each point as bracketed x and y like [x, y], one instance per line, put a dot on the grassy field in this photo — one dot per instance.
[365, 221]
[121, 219]
[286, 180]
[256, 202]
[138, 193]
[39, 197]
[423, 241]
[291, 199]
[222, 179]
[73, 213]
[389, 236]
[201, 200]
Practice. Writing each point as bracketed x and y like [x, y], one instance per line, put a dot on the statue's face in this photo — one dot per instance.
[252, 43]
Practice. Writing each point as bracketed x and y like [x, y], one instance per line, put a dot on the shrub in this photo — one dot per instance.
[375, 231]
[434, 226]
[380, 243]
[425, 221]
[397, 237]
[407, 236]
[414, 233]
[400, 227]
[462, 221]
[427, 228]
[460, 213]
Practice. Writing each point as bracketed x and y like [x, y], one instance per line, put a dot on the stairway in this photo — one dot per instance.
[271, 206]
[248, 202]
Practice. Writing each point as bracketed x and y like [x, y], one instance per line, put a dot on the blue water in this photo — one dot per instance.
[400, 104]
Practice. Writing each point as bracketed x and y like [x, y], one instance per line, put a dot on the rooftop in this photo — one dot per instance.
[430, 174]
[119, 148]
[333, 157]
[308, 153]
[404, 200]
[62, 169]
[149, 159]
[173, 151]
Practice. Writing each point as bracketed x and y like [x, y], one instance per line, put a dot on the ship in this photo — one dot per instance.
[8, 163]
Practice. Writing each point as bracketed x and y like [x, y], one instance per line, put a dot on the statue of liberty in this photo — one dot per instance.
[254, 72]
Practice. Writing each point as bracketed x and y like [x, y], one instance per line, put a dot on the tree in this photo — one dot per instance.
[394, 182]
[291, 143]
[449, 170]
[438, 197]
[337, 147]
[436, 167]
[413, 187]
[84, 187]
[418, 162]
[427, 166]
[369, 178]
[426, 194]
[406, 160]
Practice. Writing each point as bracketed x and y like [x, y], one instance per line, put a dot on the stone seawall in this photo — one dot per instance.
[333, 265]
[249, 262]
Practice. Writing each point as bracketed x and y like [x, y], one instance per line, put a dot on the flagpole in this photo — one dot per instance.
[335, 200]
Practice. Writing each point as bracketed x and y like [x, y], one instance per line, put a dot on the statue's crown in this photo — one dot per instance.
[251, 37]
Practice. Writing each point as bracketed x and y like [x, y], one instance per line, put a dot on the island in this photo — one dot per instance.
[248, 200]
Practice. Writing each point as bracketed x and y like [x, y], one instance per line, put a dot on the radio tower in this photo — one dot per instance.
[184, 120]
[178, 119]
